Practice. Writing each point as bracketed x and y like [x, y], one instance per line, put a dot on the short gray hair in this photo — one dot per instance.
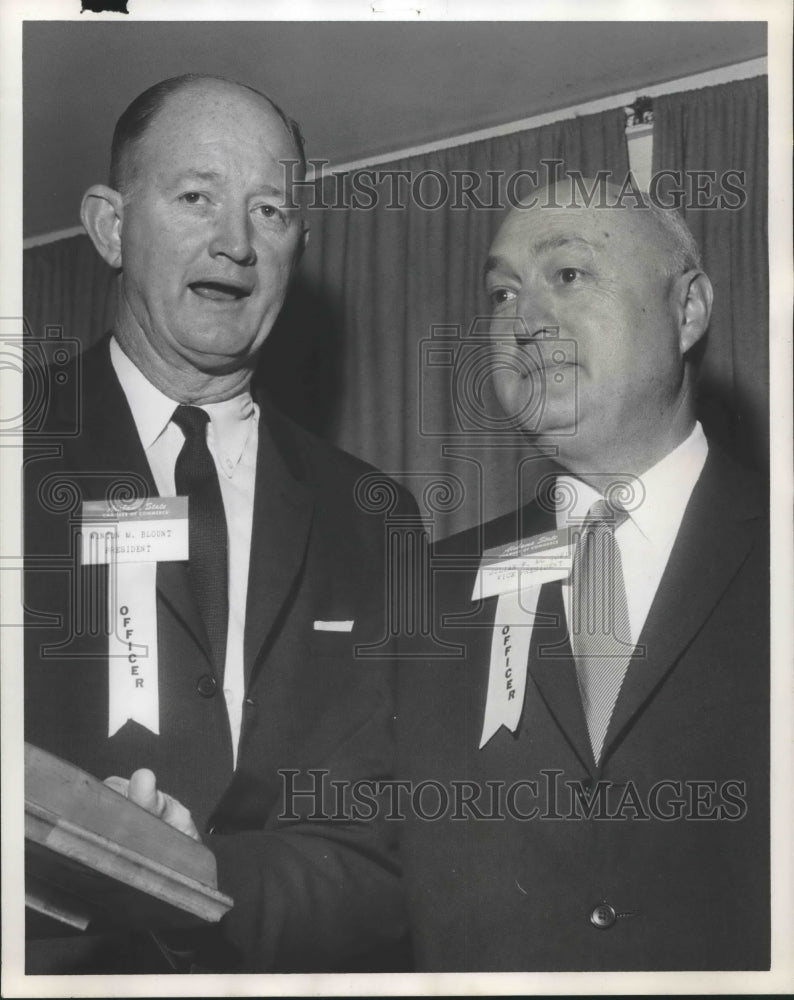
[676, 240]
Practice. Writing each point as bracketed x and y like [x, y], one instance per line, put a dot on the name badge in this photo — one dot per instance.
[155, 530]
[530, 562]
[131, 541]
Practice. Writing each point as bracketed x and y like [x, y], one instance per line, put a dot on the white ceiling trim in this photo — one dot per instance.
[726, 74]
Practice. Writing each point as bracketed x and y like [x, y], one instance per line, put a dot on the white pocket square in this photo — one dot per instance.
[333, 626]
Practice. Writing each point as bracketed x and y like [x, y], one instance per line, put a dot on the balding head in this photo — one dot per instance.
[655, 226]
[138, 117]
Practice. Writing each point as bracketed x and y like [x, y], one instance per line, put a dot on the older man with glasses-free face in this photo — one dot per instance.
[607, 724]
[255, 633]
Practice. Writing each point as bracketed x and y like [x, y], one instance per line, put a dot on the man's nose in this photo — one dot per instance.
[534, 312]
[232, 237]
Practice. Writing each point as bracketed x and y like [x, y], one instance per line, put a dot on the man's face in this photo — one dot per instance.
[595, 276]
[206, 247]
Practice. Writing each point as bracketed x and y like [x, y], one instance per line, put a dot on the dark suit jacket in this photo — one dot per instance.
[676, 843]
[309, 894]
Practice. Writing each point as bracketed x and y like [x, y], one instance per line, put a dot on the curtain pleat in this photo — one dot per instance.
[66, 284]
[723, 131]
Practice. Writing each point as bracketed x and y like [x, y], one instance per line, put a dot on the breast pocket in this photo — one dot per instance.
[334, 645]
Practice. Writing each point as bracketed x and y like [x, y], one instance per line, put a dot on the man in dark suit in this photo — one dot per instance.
[244, 677]
[599, 752]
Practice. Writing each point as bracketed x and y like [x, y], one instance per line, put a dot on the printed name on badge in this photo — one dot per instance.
[153, 531]
[529, 562]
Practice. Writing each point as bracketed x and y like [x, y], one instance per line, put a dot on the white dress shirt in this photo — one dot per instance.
[232, 439]
[646, 537]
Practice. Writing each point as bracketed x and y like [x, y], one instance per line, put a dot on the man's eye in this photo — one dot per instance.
[498, 296]
[568, 274]
[268, 211]
[192, 197]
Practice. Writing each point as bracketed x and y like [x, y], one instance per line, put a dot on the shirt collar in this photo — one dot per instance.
[664, 489]
[231, 420]
[231, 423]
[151, 409]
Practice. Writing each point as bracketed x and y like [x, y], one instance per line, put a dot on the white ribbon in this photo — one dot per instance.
[131, 542]
[132, 646]
[516, 572]
[507, 675]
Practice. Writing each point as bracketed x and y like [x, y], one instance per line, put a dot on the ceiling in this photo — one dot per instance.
[358, 89]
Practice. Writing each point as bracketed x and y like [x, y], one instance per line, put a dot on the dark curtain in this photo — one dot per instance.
[381, 279]
[723, 131]
[67, 285]
[349, 356]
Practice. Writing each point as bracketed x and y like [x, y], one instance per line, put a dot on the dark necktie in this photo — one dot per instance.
[196, 477]
[600, 631]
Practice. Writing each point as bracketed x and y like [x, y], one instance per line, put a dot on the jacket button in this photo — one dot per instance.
[207, 686]
[603, 916]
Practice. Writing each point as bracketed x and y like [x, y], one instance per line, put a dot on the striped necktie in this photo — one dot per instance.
[600, 630]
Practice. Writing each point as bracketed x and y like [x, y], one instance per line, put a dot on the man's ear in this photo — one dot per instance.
[102, 214]
[692, 299]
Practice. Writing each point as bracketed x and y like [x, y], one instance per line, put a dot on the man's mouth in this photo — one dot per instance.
[219, 291]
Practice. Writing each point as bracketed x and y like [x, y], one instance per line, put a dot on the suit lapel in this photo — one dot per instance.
[553, 669]
[108, 441]
[111, 448]
[551, 664]
[283, 508]
[714, 539]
